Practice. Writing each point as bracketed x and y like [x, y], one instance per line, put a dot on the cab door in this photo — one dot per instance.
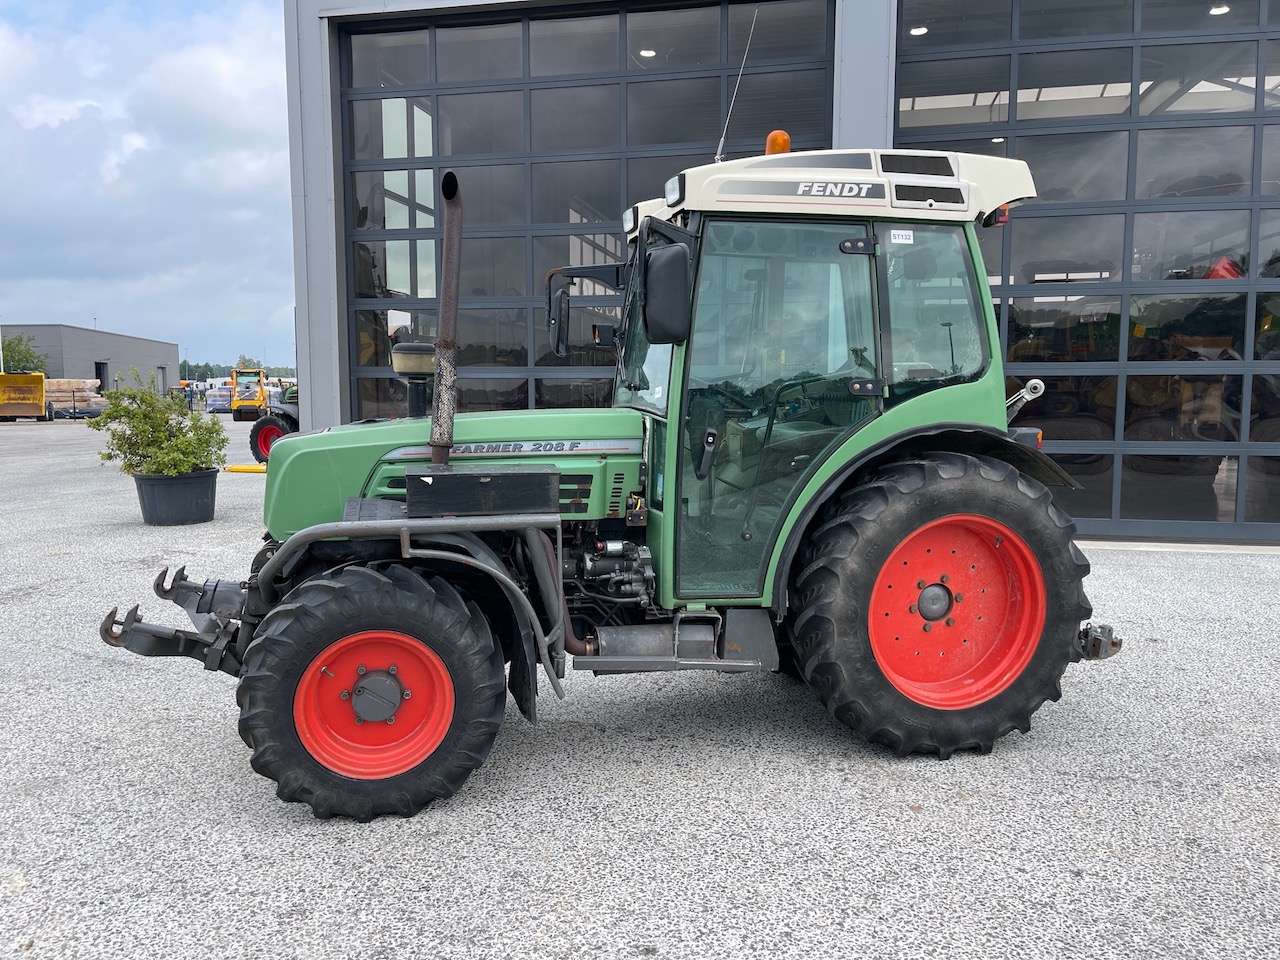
[781, 368]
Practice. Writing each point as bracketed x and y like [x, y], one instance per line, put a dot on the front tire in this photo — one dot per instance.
[938, 605]
[369, 692]
[263, 435]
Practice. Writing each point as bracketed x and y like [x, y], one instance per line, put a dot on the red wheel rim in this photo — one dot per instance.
[266, 437]
[957, 611]
[326, 721]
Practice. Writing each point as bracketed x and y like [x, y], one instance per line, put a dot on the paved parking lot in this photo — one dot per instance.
[666, 816]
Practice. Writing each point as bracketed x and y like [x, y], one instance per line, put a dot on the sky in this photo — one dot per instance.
[144, 172]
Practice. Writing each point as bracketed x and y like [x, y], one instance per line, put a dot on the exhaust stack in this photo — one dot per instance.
[445, 398]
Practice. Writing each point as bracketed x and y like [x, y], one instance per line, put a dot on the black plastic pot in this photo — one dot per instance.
[175, 501]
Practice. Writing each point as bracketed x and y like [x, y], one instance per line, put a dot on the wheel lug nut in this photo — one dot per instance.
[928, 627]
[959, 597]
[945, 578]
[951, 621]
[913, 609]
[920, 584]
[408, 694]
[391, 719]
[346, 694]
[359, 721]
[392, 669]
[361, 670]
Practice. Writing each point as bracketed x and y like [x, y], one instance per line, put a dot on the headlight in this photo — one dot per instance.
[673, 194]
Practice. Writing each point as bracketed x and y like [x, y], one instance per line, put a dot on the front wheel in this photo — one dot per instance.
[263, 435]
[938, 605]
[369, 692]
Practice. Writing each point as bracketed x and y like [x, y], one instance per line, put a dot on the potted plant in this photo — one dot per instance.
[172, 453]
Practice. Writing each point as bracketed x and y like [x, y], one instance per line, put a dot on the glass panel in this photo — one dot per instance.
[1057, 249]
[575, 118]
[383, 199]
[784, 30]
[1262, 493]
[583, 45]
[382, 268]
[582, 349]
[1271, 79]
[482, 123]
[943, 23]
[991, 245]
[1195, 162]
[936, 328]
[1077, 83]
[492, 195]
[1270, 185]
[783, 327]
[493, 394]
[1093, 472]
[1187, 328]
[673, 39]
[1268, 244]
[1198, 78]
[1074, 408]
[1173, 407]
[1078, 167]
[577, 191]
[388, 59]
[674, 111]
[380, 129]
[479, 53]
[1160, 15]
[945, 92]
[1074, 18]
[1064, 328]
[493, 338]
[1264, 411]
[1266, 339]
[381, 397]
[646, 176]
[1195, 245]
[426, 261]
[756, 111]
[1179, 488]
[493, 267]
[573, 393]
[377, 331]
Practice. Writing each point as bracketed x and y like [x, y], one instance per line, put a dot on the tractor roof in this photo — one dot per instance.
[903, 184]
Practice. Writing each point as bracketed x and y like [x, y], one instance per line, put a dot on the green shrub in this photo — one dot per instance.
[148, 433]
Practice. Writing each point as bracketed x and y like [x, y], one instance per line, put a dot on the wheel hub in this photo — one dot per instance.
[934, 602]
[377, 696]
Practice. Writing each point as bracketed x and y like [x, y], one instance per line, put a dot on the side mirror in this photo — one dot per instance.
[558, 322]
[667, 315]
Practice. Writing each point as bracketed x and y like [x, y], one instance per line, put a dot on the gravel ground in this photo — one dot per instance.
[670, 816]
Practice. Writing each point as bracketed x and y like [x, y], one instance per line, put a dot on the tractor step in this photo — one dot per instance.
[652, 664]
[741, 640]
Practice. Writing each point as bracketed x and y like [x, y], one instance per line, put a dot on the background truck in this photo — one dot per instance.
[23, 395]
[807, 468]
[248, 394]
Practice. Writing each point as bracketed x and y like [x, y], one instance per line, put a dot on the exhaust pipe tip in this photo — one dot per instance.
[449, 185]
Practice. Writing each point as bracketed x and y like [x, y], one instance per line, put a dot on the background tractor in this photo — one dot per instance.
[806, 468]
[280, 419]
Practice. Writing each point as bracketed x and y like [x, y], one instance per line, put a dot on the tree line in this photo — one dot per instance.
[20, 354]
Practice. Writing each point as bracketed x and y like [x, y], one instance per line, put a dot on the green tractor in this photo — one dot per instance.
[807, 468]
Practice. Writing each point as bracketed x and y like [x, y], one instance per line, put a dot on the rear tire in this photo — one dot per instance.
[938, 605]
[330, 664]
[263, 435]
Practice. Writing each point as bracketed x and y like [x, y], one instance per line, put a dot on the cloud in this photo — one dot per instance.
[146, 172]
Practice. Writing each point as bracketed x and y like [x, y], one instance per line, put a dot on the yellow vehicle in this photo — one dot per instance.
[248, 394]
[22, 395]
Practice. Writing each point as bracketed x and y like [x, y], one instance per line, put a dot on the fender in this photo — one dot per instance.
[974, 439]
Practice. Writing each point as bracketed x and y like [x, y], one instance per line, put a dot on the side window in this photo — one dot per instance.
[936, 333]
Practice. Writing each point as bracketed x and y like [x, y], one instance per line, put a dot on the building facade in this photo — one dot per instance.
[1139, 284]
[78, 353]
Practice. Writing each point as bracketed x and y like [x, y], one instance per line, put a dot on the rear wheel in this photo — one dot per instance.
[371, 692]
[264, 433]
[938, 605]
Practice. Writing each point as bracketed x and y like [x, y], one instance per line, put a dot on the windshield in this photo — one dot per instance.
[644, 368]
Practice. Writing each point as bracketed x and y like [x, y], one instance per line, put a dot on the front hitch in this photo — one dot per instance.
[214, 608]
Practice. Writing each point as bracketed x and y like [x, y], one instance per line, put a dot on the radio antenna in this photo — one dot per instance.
[737, 83]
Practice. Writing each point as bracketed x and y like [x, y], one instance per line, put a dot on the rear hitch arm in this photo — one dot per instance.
[1097, 641]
